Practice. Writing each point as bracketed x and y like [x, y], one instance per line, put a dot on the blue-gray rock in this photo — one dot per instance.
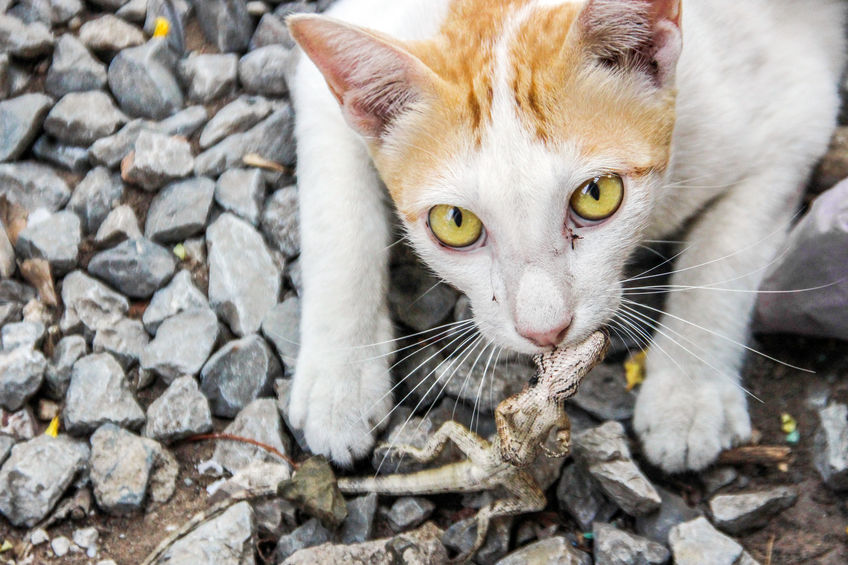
[35, 476]
[74, 69]
[471, 378]
[21, 374]
[185, 122]
[109, 151]
[157, 160]
[238, 373]
[70, 157]
[28, 334]
[242, 192]
[831, 446]
[54, 237]
[137, 268]
[552, 550]
[110, 34]
[282, 327]
[180, 210]
[109, 5]
[418, 298]
[179, 296]
[244, 281]
[460, 538]
[29, 11]
[271, 30]
[127, 469]
[7, 265]
[697, 542]
[33, 186]
[674, 510]
[120, 225]
[20, 424]
[359, 524]
[239, 115]
[89, 304]
[26, 41]
[6, 443]
[209, 76]
[604, 394]
[225, 23]
[99, 393]
[581, 498]
[4, 75]
[124, 341]
[409, 511]
[20, 122]
[270, 138]
[182, 344]
[310, 534]
[58, 374]
[740, 512]
[259, 420]
[257, 8]
[264, 70]
[617, 547]
[81, 118]
[225, 540]
[64, 10]
[281, 221]
[95, 196]
[142, 80]
[133, 11]
[180, 411]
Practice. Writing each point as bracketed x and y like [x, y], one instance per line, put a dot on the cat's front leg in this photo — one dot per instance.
[692, 405]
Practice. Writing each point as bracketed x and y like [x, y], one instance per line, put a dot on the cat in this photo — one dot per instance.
[528, 148]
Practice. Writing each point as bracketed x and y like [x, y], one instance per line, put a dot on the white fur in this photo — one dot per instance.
[756, 106]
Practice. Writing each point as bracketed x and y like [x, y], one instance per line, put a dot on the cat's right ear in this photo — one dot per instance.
[373, 77]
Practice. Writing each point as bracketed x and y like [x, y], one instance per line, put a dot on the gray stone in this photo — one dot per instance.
[238, 373]
[142, 80]
[604, 452]
[74, 69]
[26, 334]
[54, 237]
[225, 23]
[21, 374]
[95, 196]
[99, 393]
[582, 499]
[208, 76]
[86, 538]
[264, 70]
[6, 443]
[418, 298]
[64, 10]
[81, 118]
[39, 536]
[479, 382]
[831, 446]
[271, 30]
[460, 538]
[120, 225]
[244, 281]
[310, 534]
[30, 11]
[408, 512]
[89, 304]
[110, 5]
[616, 547]
[157, 160]
[224, 540]
[69, 157]
[65, 354]
[260, 420]
[180, 411]
[716, 478]
[109, 151]
[740, 512]
[182, 344]
[554, 550]
[33, 186]
[257, 8]
[27, 41]
[20, 122]
[697, 542]
[185, 122]
[282, 388]
[274, 516]
[239, 115]
[7, 267]
[359, 524]
[180, 210]
[179, 296]
[124, 340]
[4, 75]
[60, 546]
[674, 510]
[110, 34]
[20, 424]
[604, 394]
[127, 469]
[19, 80]
[138, 267]
[282, 327]
[36, 475]
[242, 192]
[271, 138]
[281, 221]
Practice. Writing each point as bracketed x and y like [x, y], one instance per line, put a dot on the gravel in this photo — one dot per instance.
[209, 76]
[95, 196]
[20, 121]
[21, 374]
[239, 115]
[74, 69]
[110, 34]
[54, 237]
[182, 344]
[33, 186]
[739, 512]
[180, 210]
[143, 81]
[242, 192]
[831, 446]
[180, 295]
[181, 411]
[137, 267]
[157, 160]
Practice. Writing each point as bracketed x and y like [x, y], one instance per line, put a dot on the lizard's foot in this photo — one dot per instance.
[684, 425]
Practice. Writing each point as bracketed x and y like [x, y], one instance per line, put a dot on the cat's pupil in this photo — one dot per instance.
[594, 190]
[456, 216]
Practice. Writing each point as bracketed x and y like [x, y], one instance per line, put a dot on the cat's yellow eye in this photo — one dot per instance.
[454, 226]
[598, 198]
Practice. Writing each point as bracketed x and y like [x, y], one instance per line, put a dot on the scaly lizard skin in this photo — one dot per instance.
[523, 420]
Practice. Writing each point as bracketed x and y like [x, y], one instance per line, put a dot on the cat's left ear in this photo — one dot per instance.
[634, 35]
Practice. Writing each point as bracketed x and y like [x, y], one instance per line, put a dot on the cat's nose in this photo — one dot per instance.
[546, 338]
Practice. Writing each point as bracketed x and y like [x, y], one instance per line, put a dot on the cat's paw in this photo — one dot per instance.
[684, 425]
[338, 404]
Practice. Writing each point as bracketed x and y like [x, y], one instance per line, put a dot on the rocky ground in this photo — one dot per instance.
[149, 293]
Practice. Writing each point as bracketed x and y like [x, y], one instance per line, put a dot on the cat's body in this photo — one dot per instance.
[514, 106]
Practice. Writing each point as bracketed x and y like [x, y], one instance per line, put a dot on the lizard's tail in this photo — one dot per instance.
[449, 478]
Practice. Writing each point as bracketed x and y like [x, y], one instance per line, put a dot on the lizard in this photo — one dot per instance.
[523, 421]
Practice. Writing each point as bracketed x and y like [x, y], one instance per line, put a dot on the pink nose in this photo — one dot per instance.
[546, 338]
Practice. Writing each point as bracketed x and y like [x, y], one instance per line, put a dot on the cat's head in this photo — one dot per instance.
[523, 147]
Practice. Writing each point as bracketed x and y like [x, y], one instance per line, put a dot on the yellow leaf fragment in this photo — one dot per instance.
[180, 251]
[7, 545]
[788, 423]
[163, 26]
[53, 428]
[634, 369]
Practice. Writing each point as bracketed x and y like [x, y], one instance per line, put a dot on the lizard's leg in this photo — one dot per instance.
[473, 446]
[563, 437]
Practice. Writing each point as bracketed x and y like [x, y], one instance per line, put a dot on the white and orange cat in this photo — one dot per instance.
[529, 147]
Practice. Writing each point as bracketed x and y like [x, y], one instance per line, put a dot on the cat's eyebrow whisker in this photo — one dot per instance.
[654, 251]
[644, 274]
[665, 289]
[719, 335]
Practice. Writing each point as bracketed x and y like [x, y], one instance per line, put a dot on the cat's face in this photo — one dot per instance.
[523, 150]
